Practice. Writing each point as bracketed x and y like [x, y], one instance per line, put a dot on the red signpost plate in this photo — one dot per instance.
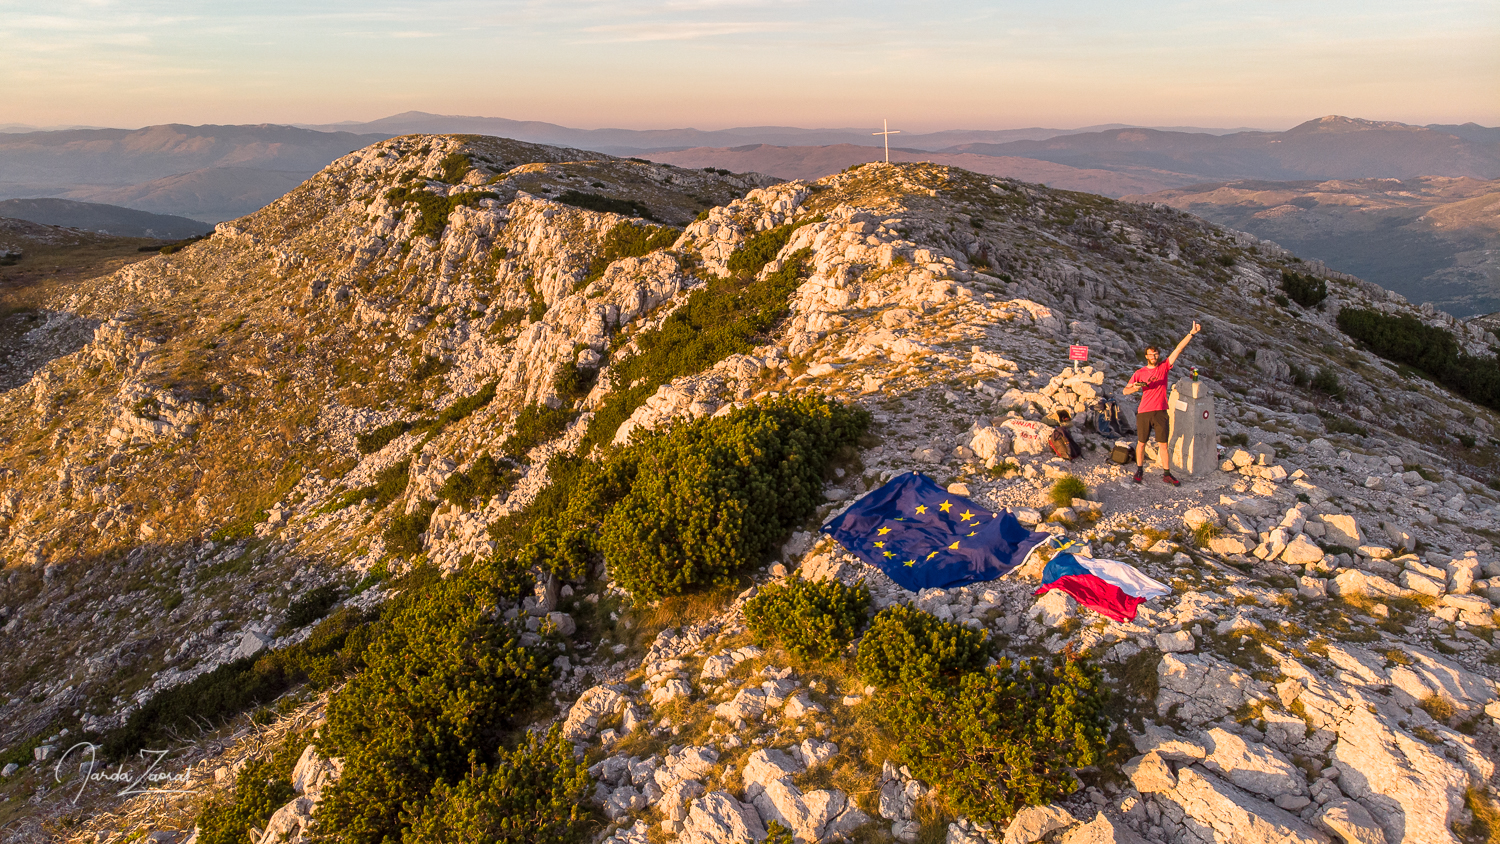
[1078, 353]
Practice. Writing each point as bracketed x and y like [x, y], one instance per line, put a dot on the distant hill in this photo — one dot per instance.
[815, 162]
[631, 141]
[127, 157]
[1326, 148]
[1431, 239]
[212, 195]
[105, 219]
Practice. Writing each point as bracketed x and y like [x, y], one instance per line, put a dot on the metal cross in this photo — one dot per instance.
[887, 133]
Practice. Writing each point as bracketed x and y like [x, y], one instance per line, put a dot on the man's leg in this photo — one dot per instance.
[1166, 467]
[1140, 454]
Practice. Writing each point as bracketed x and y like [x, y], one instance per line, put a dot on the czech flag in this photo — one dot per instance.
[1108, 587]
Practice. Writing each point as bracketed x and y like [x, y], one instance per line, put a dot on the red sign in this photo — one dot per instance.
[1078, 353]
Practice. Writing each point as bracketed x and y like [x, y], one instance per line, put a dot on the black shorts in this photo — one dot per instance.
[1152, 420]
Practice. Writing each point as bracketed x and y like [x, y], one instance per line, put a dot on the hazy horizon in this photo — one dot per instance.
[713, 64]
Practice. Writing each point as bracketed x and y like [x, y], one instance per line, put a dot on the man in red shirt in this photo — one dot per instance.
[1151, 382]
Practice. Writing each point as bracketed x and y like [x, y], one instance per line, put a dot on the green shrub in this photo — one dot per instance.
[434, 209]
[573, 382]
[332, 650]
[535, 424]
[538, 792]
[761, 248]
[1436, 352]
[629, 240]
[775, 832]
[455, 165]
[811, 620]
[724, 317]
[1001, 738]
[1305, 290]
[908, 648]
[1067, 488]
[375, 440]
[404, 534]
[389, 483]
[460, 410]
[715, 495]
[260, 789]
[1327, 383]
[312, 606]
[605, 204]
[484, 480]
[441, 684]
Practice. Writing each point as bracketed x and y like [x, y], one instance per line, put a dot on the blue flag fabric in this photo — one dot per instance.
[925, 537]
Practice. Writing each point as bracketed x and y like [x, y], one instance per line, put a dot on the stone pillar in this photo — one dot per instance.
[1193, 447]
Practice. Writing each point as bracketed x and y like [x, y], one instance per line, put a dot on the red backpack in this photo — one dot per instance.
[1062, 444]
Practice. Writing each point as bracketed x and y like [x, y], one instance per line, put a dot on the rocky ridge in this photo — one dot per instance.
[1325, 665]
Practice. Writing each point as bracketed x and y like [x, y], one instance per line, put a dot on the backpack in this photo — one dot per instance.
[1110, 411]
[1062, 444]
[1101, 418]
[1122, 453]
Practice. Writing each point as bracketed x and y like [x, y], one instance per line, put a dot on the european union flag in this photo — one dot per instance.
[924, 537]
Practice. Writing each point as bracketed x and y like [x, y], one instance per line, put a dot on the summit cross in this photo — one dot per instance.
[885, 124]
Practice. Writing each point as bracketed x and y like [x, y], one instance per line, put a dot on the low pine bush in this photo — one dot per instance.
[375, 440]
[908, 648]
[484, 480]
[605, 204]
[311, 606]
[1305, 290]
[760, 249]
[724, 317]
[535, 424]
[404, 534]
[262, 787]
[629, 240]
[1434, 351]
[441, 686]
[389, 483]
[713, 496]
[811, 620]
[1001, 738]
[435, 210]
[536, 792]
[1327, 383]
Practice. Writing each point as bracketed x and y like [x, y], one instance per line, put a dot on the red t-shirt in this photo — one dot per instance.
[1154, 380]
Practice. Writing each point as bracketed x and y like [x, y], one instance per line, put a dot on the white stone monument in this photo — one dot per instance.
[1193, 446]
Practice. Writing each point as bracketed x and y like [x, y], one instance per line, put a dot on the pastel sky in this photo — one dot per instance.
[719, 63]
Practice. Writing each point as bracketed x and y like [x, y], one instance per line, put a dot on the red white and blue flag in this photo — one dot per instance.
[1108, 587]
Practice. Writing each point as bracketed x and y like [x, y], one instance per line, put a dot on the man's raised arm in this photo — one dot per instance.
[1172, 358]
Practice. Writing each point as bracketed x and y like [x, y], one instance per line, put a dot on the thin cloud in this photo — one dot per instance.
[635, 33]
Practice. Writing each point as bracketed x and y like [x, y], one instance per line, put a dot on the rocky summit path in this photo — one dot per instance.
[1323, 670]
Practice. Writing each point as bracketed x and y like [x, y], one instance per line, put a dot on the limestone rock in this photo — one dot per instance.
[1343, 530]
[1414, 793]
[591, 708]
[1217, 811]
[1034, 823]
[1175, 643]
[1253, 767]
[1101, 830]
[718, 818]
[1350, 822]
[1150, 774]
[1301, 552]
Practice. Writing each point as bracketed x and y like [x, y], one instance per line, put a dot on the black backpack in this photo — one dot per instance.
[1107, 419]
[1062, 444]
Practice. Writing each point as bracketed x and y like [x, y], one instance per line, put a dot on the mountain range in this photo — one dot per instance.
[474, 491]
[104, 219]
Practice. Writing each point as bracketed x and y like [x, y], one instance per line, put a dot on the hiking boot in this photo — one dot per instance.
[1139, 472]
[1167, 477]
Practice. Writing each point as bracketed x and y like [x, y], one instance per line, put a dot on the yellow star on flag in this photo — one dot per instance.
[946, 506]
[910, 563]
[933, 554]
[971, 533]
[965, 515]
[890, 553]
[880, 545]
[951, 547]
[883, 531]
[921, 509]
